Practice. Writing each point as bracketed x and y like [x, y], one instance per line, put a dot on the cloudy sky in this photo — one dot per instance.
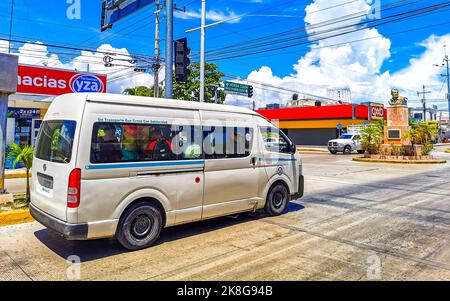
[296, 45]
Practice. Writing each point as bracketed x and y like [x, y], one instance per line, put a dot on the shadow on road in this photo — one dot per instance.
[96, 249]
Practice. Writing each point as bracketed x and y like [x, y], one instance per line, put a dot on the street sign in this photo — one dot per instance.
[238, 89]
[339, 126]
[115, 10]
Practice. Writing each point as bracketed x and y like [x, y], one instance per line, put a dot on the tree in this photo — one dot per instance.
[191, 89]
[371, 138]
[421, 133]
[143, 91]
[22, 154]
[381, 124]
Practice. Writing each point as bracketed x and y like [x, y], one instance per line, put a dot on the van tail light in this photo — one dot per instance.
[73, 189]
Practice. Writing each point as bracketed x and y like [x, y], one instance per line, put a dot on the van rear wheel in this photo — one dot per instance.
[277, 199]
[139, 227]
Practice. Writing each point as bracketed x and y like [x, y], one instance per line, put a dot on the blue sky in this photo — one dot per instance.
[46, 21]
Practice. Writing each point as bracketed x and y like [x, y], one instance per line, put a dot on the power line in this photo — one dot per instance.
[267, 39]
[243, 53]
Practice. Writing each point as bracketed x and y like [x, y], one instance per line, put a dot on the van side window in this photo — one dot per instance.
[275, 140]
[120, 142]
[227, 142]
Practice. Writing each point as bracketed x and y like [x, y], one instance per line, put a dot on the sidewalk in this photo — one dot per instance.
[15, 173]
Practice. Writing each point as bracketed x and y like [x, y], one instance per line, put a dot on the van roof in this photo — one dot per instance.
[161, 102]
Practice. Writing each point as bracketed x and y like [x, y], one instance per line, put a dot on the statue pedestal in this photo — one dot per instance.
[397, 125]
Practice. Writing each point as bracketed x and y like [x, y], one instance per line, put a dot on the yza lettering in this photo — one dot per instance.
[86, 83]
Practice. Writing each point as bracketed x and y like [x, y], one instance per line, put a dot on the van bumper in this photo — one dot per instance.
[69, 231]
[301, 188]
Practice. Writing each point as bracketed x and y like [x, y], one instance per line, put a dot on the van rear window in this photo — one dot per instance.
[55, 141]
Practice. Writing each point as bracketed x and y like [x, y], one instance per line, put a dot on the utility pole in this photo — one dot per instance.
[11, 26]
[447, 75]
[424, 102]
[202, 53]
[156, 64]
[169, 49]
[202, 47]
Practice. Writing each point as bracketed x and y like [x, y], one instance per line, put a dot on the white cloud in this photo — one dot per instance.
[354, 65]
[212, 15]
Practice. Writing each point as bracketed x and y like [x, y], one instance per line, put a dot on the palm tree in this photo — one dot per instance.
[421, 133]
[22, 154]
[370, 138]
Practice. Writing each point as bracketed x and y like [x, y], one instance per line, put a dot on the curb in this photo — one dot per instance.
[368, 160]
[16, 175]
[313, 150]
[15, 217]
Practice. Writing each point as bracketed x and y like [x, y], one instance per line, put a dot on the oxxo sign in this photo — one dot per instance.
[49, 81]
[376, 112]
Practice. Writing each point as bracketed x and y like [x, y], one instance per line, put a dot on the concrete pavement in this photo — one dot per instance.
[357, 221]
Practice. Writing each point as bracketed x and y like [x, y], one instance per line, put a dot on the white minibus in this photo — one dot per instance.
[110, 165]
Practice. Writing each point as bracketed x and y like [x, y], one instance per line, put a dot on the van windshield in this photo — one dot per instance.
[55, 141]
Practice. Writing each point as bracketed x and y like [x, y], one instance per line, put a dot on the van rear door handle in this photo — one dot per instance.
[253, 161]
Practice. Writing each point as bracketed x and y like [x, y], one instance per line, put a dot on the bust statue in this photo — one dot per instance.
[396, 99]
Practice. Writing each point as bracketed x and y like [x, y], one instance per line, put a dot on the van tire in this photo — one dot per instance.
[277, 199]
[139, 227]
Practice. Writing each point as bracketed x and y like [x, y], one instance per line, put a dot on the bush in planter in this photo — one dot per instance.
[407, 150]
[397, 150]
[427, 148]
[421, 133]
[371, 139]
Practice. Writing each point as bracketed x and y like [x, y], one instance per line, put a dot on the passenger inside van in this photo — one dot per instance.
[160, 146]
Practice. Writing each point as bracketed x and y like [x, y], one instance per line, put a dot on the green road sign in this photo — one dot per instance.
[235, 88]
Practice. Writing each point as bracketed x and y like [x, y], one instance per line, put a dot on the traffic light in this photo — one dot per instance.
[250, 91]
[182, 60]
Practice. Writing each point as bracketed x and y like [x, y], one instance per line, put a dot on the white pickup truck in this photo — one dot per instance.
[346, 143]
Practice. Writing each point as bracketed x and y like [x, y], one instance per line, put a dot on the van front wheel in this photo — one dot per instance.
[139, 227]
[277, 199]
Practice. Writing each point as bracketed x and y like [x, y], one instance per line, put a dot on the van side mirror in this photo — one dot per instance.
[293, 148]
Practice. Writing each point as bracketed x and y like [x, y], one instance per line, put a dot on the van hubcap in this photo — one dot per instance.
[278, 198]
[141, 226]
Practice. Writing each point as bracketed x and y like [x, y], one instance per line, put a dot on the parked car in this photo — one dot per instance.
[346, 143]
[127, 166]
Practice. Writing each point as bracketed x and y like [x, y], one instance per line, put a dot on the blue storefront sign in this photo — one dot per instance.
[23, 113]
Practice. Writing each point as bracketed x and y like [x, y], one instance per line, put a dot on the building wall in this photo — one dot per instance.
[310, 136]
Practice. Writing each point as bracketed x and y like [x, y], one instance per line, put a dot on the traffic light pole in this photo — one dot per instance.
[169, 49]
[446, 59]
[202, 53]
[156, 64]
[202, 48]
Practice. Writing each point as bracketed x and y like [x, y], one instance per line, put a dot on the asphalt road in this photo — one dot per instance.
[357, 221]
